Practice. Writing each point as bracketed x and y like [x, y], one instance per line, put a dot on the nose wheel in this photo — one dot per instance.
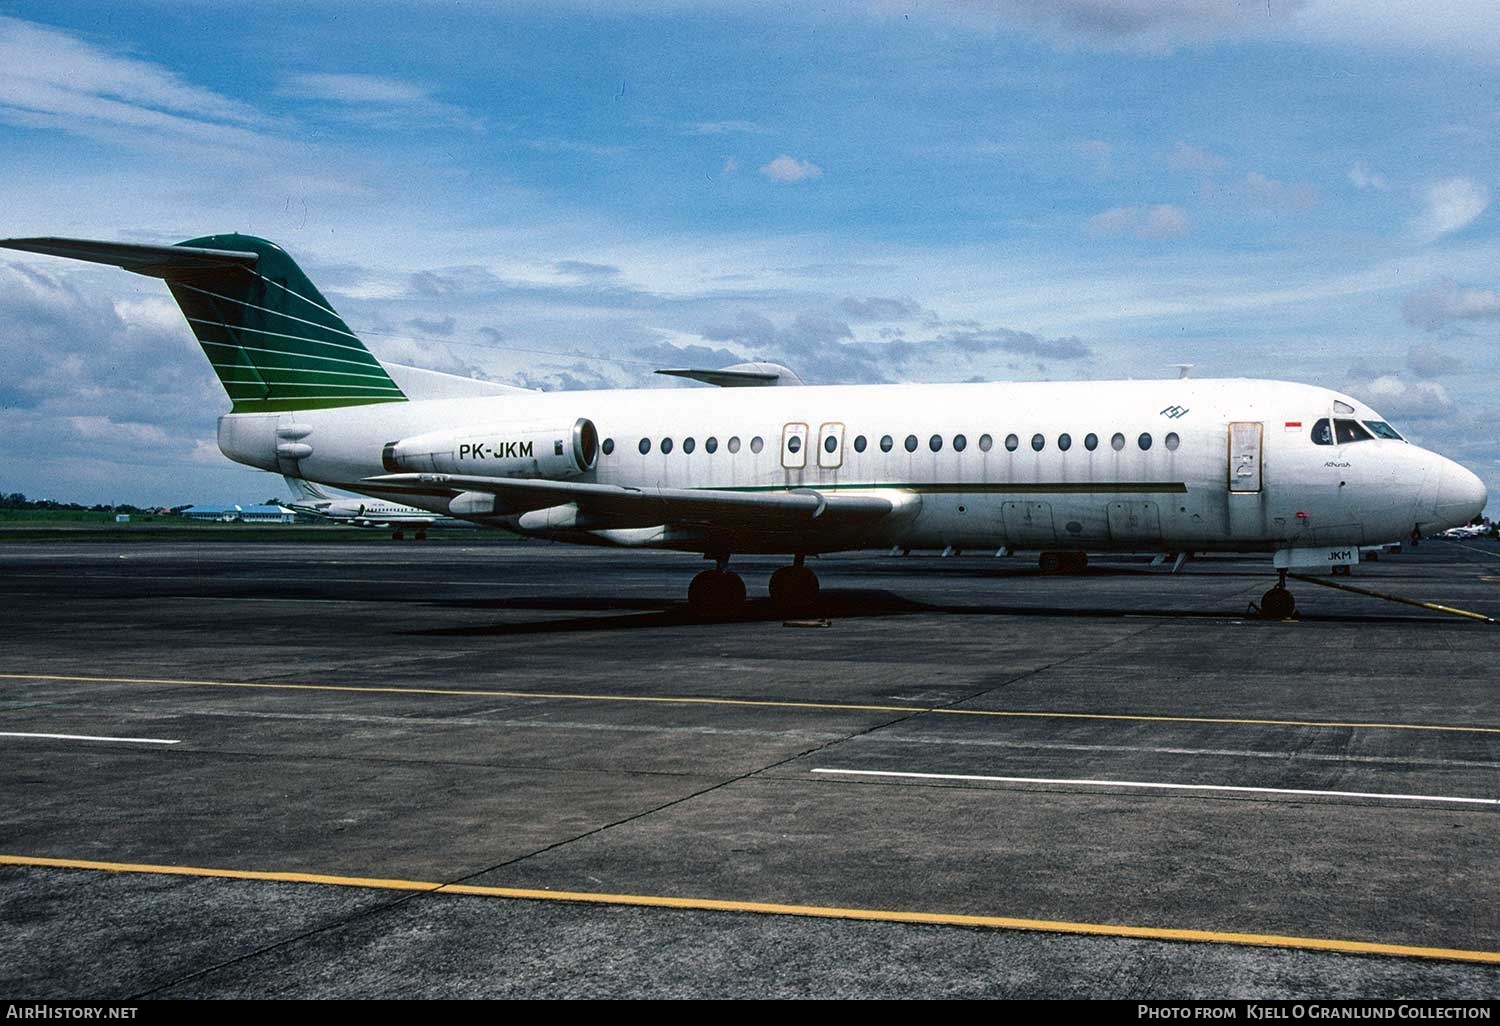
[1278, 603]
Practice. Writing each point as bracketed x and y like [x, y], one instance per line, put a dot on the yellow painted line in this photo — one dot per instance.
[1267, 940]
[564, 696]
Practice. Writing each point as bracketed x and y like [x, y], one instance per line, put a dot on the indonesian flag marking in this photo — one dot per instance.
[1294, 425]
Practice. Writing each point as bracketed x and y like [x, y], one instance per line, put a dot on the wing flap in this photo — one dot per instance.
[626, 506]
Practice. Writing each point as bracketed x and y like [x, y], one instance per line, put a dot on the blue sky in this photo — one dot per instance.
[571, 194]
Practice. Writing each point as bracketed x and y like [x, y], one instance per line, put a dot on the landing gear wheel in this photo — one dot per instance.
[398, 536]
[421, 536]
[717, 594]
[794, 589]
[1277, 604]
[1075, 562]
[1050, 562]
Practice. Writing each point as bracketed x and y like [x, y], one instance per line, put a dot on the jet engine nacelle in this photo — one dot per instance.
[499, 450]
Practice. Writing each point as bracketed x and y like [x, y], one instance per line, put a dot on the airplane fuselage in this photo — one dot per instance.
[1207, 464]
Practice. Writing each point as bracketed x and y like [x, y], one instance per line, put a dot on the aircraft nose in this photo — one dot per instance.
[1461, 496]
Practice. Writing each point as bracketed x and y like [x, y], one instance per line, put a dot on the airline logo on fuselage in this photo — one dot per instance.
[496, 451]
[1173, 412]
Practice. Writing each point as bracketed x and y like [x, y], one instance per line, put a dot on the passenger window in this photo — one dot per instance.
[911, 443]
[711, 444]
[794, 444]
[734, 444]
[666, 445]
[1012, 443]
[960, 443]
[1383, 430]
[830, 443]
[1091, 441]
[1117, 442]
[1172, 441]
[1144, 441]
[1322, 432]
[986, 443]
[1065, 441]
[1038, 442]
[859, 443]
[935, 443]
[886, 442]
[688, 445]
[645, 446]
[608, 446]
[757, 444]
[1347, 431]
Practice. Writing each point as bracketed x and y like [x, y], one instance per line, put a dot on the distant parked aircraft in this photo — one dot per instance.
[312, 500]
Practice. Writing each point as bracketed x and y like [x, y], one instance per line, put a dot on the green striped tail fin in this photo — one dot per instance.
[273, 340]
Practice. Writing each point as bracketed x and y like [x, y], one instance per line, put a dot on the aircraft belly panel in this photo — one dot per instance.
[1028, 524]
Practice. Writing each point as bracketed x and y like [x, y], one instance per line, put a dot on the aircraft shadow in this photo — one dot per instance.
[835, 604]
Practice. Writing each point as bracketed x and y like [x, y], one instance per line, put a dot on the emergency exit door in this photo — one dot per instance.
[1244, 457]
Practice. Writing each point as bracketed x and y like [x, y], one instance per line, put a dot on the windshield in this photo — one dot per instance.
[1349, 431]
[1346, 432]
[1383, 430]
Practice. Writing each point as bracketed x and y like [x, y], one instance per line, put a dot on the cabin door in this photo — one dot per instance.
[1247, 513]
[1244, 457]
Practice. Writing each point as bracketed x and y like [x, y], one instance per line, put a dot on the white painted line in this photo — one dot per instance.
[89, 737]
[1166, 787]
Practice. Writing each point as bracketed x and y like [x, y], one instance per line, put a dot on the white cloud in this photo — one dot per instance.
[1161, 221]
[731, 166]
[1099, 155]
[1363, 178]
[103, 428]
[1268, 192]
[1394, 396]
[1164, 221]
[725, 128]
[1445, 302]
[1190, 158]
[348, 88]
[786, 168]
[1150, 25]
[378, 101]
[1428, 361]
[49, 79]
[1449, 205]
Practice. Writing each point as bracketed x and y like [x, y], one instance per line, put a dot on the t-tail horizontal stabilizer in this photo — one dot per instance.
[273, 340]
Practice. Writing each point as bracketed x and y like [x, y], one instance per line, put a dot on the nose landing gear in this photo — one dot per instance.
[1278, 603]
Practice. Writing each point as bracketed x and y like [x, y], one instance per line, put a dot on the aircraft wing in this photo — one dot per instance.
[598, 506]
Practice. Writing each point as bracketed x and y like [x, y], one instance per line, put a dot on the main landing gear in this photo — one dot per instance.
[719, 594]
[794, 588]
[1278, 603]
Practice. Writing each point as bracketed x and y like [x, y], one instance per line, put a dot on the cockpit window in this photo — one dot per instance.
[1349, 431]
[1383, 430]
[1322, 432]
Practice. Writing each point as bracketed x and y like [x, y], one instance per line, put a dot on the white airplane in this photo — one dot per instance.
[312, 500]
[1301, 472]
